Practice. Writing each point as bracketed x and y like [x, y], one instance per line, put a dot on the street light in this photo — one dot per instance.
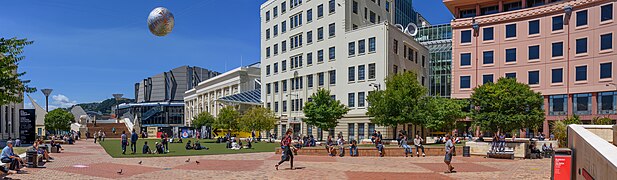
[46, 92]
[118, 97]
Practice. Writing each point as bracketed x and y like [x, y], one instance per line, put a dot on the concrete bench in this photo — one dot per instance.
[372, 151]
[501, 155]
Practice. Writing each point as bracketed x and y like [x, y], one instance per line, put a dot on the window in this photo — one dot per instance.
[372, 17]
[283, 7]
[267, 34]
[581, 18]
[320, 33]
[352, 48]
[351, 74]
[512, 6]
[331, 53]
[487, 34]
[284, 85]
[267, 52]
[296, 41]
[558, 105]
[511, 55]
[387, 6]
[467, 13]
[309, 80]
[309, 58]
[607, 12]
[320, 77]
[295, 20]
[284, 46]
[320, 11]
[534, 77]
[534, 52]
[607, 101]
[423, 60]
[487, 78]
[361, 46]
[309, 37]
[371, 44]
[331, 30]
[606, 70]
[534, 3]
[510, 30]
[275, 30]
[268, 70]
[581, 73]
[350, 131]
[606, 41]
[511, 75]
[582, 104]
[276, 49]
[487, 57]
[275, 11]
[309, 15]
[371, 71]
[331, 6]
[351, 99]
[557, 49]
[395, 69]
[581, 45]
[557, 23]
[361, 99]
[365, 13]
[466, 59]
[267, 16]
[361, 72]
[466, 36]
[465, 82]
[276, 87]
[355, 7]
[284, 106]
[557, 75]
[534, 27]
[283, 27]
[320, 55]
[332, 74]
[489, 10]
[395, 44]
[276, 106]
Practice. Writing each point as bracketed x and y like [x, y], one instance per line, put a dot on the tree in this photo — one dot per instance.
[257, 119]
[442, 113]
[506, 105]
[227, 119]
[401, 102]
[203, 119]
[560, 129]
[602, 120]
[58, 119]
[10, 80]
[574, 119]
[323, 111]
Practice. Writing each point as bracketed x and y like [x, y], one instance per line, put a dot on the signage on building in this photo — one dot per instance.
[152, 132]
[27, 120]
[295, 120]
[562, 167]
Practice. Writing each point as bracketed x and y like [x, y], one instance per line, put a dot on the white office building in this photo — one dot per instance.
[346, 46]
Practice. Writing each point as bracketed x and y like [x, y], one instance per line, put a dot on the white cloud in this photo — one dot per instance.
[61, 101]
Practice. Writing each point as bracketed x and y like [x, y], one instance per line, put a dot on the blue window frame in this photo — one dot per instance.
[320, 11]
[511, 55]
[534, 52]
[466, 36]
[371, 44]
[511, 75]
[309, 15]
[534, 27]
[351, 99]
[351, 74]
[465, 82]
[606, 70]
[581, 45]
[581, 104]
[557, 22]
[557, 49]
[487, 57]
[581, 73]
[487, 34]
[581, 18]
[510, 30]
[607, 102]
[607, 12]
[606, 41]
[487, 78]
[558, 105]
[465, 59]
[533, 77]
[557, 75]
[331, 53]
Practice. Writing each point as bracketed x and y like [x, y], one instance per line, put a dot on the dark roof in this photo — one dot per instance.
[248, 97]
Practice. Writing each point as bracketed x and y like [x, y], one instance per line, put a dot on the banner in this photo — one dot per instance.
[185, 133]
[27, 120]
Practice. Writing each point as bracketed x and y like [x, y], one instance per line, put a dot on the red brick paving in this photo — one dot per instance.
[63, 154]
[303, 158]
[108, 170]
[222, 165]
[459, 167]
[390, 175]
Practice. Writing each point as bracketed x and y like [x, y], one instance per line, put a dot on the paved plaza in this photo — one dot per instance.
[87, 160]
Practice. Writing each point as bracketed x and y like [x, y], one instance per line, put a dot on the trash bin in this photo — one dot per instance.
[466, 152]
[561, 164]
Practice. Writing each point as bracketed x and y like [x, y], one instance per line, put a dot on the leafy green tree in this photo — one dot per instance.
[560, 130]
[574, 119]
[203, 119]
[401, 102]
[602, 120]
[442, 113]
[58, 119]
[323, 111]
[227, 119]
[257, 119]
[506, 105]
[10, 80]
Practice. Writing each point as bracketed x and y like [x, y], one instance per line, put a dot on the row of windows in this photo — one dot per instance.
[351, 72]
[296, 3]
[296, 40]
[296, 21]
[534, 25]
[557, 74]
[361, 46]
[533, 52]
[297, 83]
[582, 103]
[351, 99]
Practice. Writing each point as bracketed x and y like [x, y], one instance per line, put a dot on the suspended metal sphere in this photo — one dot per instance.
[160, 21]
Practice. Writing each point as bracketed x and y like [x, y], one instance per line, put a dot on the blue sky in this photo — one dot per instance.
[88, 50]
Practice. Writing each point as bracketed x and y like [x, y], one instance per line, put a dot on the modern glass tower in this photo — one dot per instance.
[438, 40]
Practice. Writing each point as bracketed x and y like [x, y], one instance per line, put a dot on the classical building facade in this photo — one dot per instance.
[563, 49]
[9, 120]
[217, 92]
[346, 46]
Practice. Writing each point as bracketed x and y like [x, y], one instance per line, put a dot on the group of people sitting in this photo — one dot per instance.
[195, 146]
[235, 143]
[417, 143]
[498, 143]
[158, 148]
[442, 139]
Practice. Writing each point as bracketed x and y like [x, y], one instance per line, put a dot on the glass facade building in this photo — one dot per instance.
[404, 13]
[438, 40]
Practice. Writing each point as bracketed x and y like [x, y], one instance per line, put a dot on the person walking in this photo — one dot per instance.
[418, 143]
[448, 156]
[124, 142]
[286, 147]
[134, 142]
[403, 143]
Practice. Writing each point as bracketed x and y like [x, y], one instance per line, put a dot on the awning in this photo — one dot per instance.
[252, 97]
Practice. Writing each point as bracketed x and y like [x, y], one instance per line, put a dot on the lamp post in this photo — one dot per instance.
[118, 97]
[46, 92]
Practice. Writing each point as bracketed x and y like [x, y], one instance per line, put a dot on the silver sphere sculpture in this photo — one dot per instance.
[160, 21]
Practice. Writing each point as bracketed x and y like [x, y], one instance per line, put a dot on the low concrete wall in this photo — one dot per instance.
[372, 151]
[603, 131]
[481, 148]
[592, 153]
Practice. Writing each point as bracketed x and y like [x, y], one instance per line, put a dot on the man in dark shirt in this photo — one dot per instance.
[134, 141]
[146, 148]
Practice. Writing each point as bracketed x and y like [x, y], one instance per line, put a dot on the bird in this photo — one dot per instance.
[139, 162]
[119, 172]
[197, 162]
[188, 160]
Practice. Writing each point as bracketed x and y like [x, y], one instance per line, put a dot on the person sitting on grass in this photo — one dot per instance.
[159, 148]
[235, 146]
[198, 146]
[188, 145]
[249, 145]
[146, 148]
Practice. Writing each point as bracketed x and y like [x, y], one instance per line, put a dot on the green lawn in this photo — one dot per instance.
[19, 150]
[113, 148]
